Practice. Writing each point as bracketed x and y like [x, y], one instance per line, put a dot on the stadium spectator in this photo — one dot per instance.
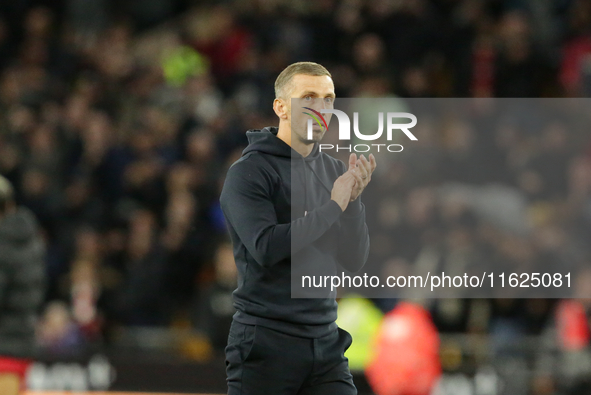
[22, 284]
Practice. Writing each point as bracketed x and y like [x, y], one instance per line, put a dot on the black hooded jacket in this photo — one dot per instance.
[22, 282]
[277, 205]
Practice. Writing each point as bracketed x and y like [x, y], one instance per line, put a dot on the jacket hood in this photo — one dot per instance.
[18, 227]
[266, 140]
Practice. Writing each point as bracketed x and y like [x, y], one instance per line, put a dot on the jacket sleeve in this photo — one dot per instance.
[247, 204]
[353, 237]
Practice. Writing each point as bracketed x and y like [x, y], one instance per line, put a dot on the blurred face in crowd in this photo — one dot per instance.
[142, 226]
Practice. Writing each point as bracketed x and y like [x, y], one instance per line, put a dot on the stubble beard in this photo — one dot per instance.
[316, 137]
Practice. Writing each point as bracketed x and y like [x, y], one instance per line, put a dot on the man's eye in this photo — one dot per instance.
[329, 100]
[307, 98]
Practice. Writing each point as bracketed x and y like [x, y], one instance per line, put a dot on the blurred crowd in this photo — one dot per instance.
[489, 186]
[118, 121]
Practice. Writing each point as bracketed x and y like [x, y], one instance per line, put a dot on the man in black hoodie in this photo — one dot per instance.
[286, 203]
[22, 280]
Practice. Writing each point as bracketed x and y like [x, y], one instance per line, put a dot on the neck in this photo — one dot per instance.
[284, 133]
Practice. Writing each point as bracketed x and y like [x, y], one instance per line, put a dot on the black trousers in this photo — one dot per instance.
[262, 361]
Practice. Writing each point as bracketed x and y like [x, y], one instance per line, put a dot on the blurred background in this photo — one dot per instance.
[119, 119]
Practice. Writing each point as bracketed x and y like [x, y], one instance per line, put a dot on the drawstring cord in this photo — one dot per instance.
[305, 187]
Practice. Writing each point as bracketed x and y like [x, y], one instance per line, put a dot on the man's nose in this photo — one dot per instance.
[320, 104]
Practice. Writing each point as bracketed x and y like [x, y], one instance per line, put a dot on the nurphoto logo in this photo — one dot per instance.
[345, 129]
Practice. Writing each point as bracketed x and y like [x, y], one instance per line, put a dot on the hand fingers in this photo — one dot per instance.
[348, 177]
[352, 161]
[358, 175]
[366, 163]
[372, 162]
[364, 167]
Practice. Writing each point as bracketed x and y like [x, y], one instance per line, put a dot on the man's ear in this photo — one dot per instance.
[280, 108]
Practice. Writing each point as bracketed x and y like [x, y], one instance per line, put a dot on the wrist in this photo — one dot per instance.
[354, 208]
[341, 205]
